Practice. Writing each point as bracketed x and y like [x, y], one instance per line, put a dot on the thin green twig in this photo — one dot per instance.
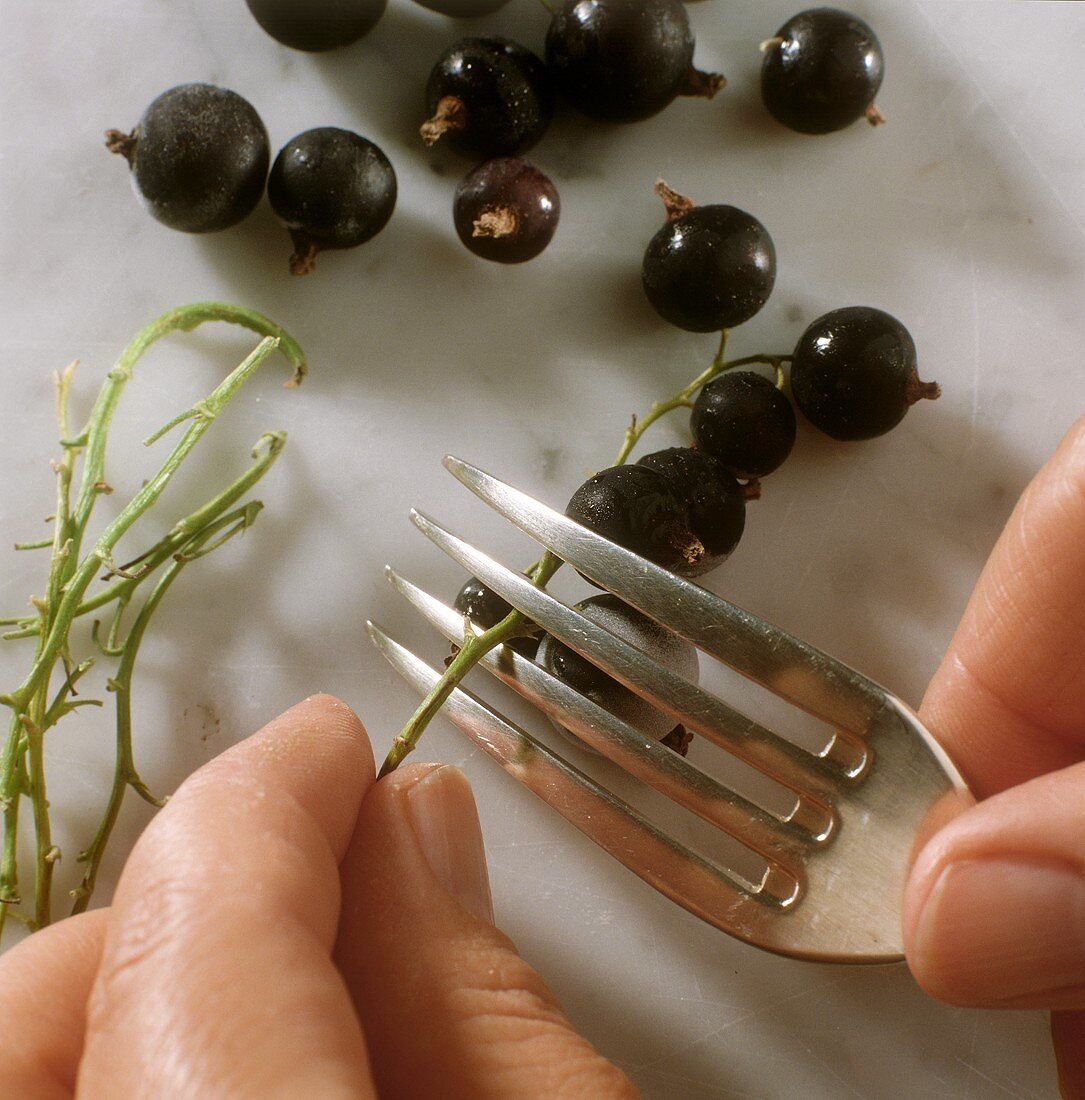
[33, 713]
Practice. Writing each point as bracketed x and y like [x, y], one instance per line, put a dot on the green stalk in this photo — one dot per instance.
[22, 765]
[476, 646]
[125, 774]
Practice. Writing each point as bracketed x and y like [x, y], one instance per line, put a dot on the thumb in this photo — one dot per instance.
[994, 911]
[447, 1005]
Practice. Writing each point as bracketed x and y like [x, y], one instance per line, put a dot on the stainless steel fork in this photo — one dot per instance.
[822, 879]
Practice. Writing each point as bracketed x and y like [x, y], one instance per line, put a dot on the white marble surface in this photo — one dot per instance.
[964, 216]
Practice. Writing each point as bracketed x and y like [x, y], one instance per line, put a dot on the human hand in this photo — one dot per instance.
[288, 927]
[995, 908]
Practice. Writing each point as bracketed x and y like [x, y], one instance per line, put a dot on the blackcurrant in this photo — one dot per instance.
[331, 189]
[463, 9]
[636, 508]
[317, 25]
[199, 157]
[488, 97]
[744, 422]
[485, 608]
[506, 211]
[822, 71]
[715, 502]
[709, 267]
[662, 645]
[854, 373]
[624, 60]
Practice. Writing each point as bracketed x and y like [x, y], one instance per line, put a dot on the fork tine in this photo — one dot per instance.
[710, 891]
[749, 741]
[780, 662]
[774, 836]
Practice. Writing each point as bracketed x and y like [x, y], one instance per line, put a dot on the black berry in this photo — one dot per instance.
[743, 421]
[636, 508]
[317, 25]
[485, 608]
[715, 502]
[331, 189]
[199, 157]
[662, 645]
[463, 9]
[709, 267]
[624, 60]
[854, 373]
[822, 71]
[488, 97]
[506, 211]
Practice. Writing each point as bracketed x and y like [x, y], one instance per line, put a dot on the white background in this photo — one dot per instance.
[963, 216]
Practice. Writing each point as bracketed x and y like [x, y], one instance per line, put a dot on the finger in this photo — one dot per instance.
[995, 908]
[1008, 701]
[1068, 1036]
[448, 1006]
[216, 977]
[44, 985]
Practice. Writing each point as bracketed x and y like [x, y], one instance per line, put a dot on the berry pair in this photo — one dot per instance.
[199, 158]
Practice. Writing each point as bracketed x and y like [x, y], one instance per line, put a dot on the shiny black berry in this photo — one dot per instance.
[715, 502]
[624, 60]
[485, 608]
[822, 71]
[199, 157]
[854, 373]
[636, 508]
[331, 189]
[506, 210]
[317, 25]
[709, 267]
[488, 97]
[744, 422]
[662, 645]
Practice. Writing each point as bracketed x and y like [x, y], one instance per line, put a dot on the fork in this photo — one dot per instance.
[821, 879]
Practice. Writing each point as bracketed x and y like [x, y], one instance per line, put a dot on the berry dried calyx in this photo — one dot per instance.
[854, 373]
[709, 267]
[488, 97]
[624, 60]
[332, 189]
[199, 157]
[821, 72]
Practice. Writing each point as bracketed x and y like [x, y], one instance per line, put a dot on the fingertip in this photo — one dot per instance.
[324, 725]
[994, 909]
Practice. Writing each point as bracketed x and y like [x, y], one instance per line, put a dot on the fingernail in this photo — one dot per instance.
[997, 930]
[445, 821]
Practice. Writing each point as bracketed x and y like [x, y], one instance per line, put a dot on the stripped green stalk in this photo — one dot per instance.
[22, 760]
[125, 774]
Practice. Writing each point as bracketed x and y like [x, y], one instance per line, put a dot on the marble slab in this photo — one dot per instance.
[964, 216]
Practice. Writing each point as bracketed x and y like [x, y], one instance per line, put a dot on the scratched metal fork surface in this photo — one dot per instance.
[822, 879]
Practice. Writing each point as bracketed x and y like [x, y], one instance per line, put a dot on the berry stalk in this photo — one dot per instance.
[476, 645]
[35, 707]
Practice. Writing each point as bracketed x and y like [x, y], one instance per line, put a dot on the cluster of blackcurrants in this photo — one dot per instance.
[853, 374]
[200, 154]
